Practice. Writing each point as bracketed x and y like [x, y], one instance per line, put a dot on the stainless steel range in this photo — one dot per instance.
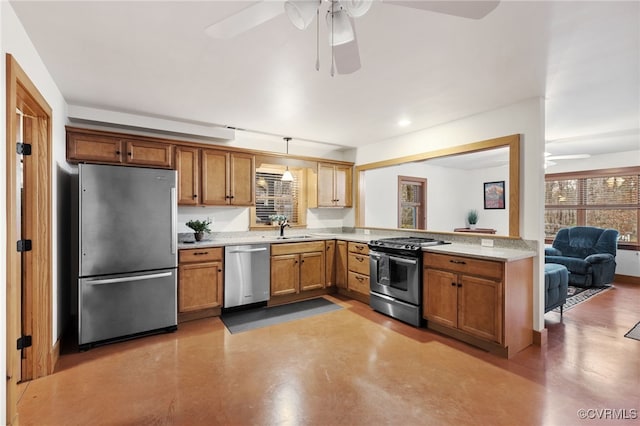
[396, 276]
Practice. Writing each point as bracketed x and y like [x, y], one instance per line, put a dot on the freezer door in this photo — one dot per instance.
[120, 305]
[127, 219]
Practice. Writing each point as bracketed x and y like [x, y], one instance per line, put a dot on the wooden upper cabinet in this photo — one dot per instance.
[334, 185]
[242, 179]
[93, 148]
[215, 175]
[148, 153]
[187, 164]
[96, 148]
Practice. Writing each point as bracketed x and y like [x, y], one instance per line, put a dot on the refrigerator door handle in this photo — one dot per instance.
[174, 218]
[129, 279]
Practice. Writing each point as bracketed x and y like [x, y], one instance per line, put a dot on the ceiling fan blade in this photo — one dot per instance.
[245, 20]
[464, 9]
[347, 56]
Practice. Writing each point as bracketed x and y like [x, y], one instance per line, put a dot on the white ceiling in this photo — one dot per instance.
[154, 58]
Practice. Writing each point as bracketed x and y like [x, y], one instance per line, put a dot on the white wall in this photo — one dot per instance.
[15, 41]
[525, 118]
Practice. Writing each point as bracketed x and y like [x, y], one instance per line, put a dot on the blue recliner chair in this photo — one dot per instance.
[589, 254]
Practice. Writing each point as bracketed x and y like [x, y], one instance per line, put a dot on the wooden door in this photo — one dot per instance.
[330, 263]
[242, 179]
[341, 264]
[187, 164]
[285, 274]
[148, 153]
[200, 286]
[215, 178]
[103, 149]
[343, 184]
[312, 270]
[440, 297]
[480, 307]
[326, 185]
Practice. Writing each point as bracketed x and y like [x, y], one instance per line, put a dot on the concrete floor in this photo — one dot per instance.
[351, 367]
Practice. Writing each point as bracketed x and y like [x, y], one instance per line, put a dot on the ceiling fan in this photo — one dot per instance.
[339, 16]
[549, 159]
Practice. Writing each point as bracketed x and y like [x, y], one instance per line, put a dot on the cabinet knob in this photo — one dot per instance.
[195, 196]
[459, 285]
[453, 284]
[129, 154]
[219, 270]
[117, 152]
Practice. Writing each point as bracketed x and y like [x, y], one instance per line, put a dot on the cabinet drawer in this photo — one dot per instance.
[204, 254]
[358, 282]
[361, 248]
[293, 248]
[466, 265]
[358, 263]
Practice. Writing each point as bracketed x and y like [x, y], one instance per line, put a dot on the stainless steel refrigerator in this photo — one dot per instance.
[127, 252]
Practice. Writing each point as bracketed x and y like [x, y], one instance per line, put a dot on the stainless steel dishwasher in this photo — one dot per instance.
[247, 273]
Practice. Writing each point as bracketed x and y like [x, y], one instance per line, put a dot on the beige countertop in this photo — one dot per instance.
[477, 251]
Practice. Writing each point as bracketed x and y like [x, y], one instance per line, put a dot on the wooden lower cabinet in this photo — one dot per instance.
[297, 267]
[330, 263]
[341, 264]
[487, 303]
[358, 271]
[200, 280]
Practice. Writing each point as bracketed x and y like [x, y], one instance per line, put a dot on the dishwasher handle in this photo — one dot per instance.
[249, 250]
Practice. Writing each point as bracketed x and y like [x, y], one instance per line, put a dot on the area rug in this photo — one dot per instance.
[577, 295]
[239, 321]
[634, 333]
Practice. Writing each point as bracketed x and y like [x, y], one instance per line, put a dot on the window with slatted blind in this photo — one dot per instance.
[412, 196]
[277, 197]
[605, 198]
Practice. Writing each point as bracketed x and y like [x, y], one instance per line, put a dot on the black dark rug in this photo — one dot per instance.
[634, 333]
[239, 321]
[577, 295]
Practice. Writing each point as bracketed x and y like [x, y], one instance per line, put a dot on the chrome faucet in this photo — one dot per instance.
[282, 226]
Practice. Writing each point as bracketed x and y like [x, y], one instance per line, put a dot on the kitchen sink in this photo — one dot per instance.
[297, 237]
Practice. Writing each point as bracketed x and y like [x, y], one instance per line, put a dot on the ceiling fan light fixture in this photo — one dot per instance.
[301, 12]
[340, 30]
[356, 8]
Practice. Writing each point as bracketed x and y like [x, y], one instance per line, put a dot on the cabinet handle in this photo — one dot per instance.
[459, 285]
[360, 247]
[219, 270]
[458, 262]
[360, 259]
[453, 284]
[302, 261]
[231, 196]
[359, 278]
[130, 154]
[198, 253]
[117, 152]
[195, 196]
[328, 248]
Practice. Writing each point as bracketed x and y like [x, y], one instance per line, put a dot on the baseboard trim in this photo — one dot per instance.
[540, 338]
[627, 279]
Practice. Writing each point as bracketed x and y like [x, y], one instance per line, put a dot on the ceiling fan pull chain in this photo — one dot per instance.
[318, 39]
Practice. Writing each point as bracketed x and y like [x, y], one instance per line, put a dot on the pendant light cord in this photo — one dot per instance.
[332, 46]
[318, 38]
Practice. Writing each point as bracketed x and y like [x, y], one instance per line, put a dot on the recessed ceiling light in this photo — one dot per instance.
[404, 122]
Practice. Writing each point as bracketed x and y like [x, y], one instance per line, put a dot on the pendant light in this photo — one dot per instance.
[287, 176]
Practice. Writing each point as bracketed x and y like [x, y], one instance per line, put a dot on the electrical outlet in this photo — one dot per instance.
[486, 243]
[367, 232]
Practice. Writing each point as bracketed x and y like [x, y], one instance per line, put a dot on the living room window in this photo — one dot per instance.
[412, 196]
[277, 197]
[607, 198]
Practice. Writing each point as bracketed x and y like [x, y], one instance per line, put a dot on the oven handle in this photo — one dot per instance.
[403, 260]
[391, 299]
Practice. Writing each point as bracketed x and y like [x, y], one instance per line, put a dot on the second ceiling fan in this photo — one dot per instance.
[339, 16]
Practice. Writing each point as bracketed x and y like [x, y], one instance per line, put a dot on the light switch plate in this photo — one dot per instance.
[486, 243]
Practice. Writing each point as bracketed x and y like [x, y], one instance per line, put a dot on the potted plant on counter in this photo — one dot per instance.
[199, 228]
[472, 218]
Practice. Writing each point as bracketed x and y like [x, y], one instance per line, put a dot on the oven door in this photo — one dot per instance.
[395, 276]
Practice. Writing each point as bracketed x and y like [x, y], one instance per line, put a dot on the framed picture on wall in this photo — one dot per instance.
[494, 195]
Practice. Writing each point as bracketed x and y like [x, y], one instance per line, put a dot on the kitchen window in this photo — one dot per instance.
[277, 197]
[607, 198]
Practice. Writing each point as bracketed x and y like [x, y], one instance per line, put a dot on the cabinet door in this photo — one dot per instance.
[188, 175]
[342, 184]
[326, 196]
[312, 269]
[285, 274]
[440, 297]
[480, 307]
[102, 149]
[341, 264]
[214, 178]
[200, 286]
[242, 180]
[330, 263]
[148, 153]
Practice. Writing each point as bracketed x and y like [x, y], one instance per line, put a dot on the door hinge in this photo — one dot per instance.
[23, 148]
[24, 342]
[24, 245]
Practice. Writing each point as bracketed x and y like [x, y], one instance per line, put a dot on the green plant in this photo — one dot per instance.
[277, 218]
[472, 217]
[200, 225]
